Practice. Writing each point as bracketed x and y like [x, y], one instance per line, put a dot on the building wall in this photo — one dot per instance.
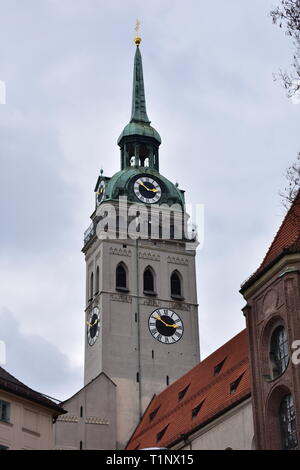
[274, 300]
[125, 347]
[30, 425]
[234, 430]
[91, 418]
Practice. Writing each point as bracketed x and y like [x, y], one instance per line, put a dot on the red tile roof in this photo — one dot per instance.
[12, 385]
[287, 240]
[213, 391]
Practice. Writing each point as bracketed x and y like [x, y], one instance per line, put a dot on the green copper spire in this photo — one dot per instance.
[139, 141]
[138, 111]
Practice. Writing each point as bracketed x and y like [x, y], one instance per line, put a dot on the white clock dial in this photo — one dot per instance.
[165, 326]
[147, 189]
[93, 325]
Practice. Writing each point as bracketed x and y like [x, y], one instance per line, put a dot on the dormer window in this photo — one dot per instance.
[153, 414]
[195, 411]
[161, 434]
[218, 367]
[182, 393]
[234, 385]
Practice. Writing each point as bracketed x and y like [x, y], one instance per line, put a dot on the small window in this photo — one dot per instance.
[97, 280]
[121, 278]
[92, 286]
[182, 393]
[81, 411]
[176, 290]
[153, 414]
[167, 380]
[234, 385]
[148, 281]
[161, 434]
[4, 411]
[218, 367]
[279, 351]
[288, 423]
[195, 411]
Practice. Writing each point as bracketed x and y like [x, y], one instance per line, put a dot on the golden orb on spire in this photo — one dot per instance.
[137, 39]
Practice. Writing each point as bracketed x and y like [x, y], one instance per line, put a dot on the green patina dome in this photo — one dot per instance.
[120, 185]
[139, 128]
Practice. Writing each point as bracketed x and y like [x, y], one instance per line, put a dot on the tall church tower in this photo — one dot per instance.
[141, 324]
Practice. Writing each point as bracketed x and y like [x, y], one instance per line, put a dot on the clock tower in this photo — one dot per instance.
[141, 317]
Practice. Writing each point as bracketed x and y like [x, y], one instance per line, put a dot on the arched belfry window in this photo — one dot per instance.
[176, 285]
[91, 286]
[121, 277]
[288, 423]
[279, 351]
[97, 287]
[149, 281]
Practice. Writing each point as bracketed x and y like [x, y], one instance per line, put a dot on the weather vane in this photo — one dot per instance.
[137, 38]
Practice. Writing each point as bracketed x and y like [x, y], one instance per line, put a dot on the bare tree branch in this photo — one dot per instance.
[287, 16]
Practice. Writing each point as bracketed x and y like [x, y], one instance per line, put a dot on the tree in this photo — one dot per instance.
[287, 16]
[293, 179]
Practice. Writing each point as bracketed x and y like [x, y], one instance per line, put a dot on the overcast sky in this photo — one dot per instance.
[228, 132]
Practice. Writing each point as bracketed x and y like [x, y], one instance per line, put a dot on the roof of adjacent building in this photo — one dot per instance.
[286, 241]
[10, 384]
[215, 385]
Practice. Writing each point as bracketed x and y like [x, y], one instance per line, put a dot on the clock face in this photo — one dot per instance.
[165, 326]
[100, 192]
[147, 189]
[93, 326]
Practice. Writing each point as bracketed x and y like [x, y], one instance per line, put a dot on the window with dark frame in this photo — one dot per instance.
[121, 277]
[4, 411]
[288, 423]
[279, 351]
[176, 290]
[97, 280]
[92, 286]
[148, 281]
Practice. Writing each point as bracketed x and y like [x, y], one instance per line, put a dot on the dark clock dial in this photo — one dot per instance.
[165, 326]
[93, 326]
[147, 189]
[100, 192]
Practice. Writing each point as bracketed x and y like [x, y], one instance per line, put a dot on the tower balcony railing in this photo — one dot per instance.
[89, 233]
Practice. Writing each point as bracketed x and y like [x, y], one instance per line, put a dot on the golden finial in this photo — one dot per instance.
[137, 38]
